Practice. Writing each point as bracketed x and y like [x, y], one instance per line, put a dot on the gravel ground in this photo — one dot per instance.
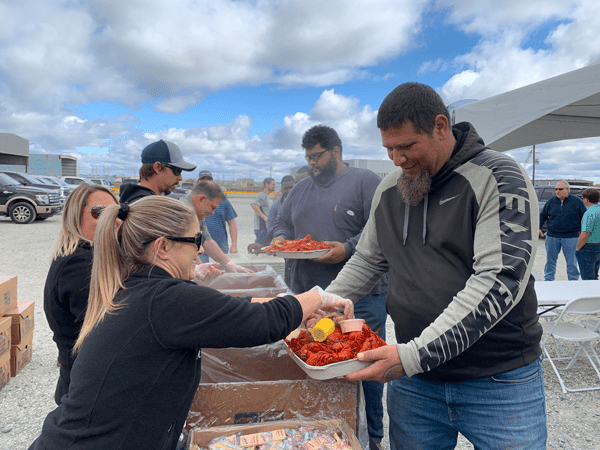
[573, 419]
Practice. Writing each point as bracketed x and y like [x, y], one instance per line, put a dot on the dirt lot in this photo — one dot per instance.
[25, 251]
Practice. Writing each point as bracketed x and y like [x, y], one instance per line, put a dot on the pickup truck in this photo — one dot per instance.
[24, 204]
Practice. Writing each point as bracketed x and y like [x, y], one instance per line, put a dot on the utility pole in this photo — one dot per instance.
[533, 173]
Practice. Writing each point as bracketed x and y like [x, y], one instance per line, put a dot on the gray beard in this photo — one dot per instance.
[414, 189]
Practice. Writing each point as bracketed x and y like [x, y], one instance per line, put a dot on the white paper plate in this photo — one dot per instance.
[329, 371]
[311, 254]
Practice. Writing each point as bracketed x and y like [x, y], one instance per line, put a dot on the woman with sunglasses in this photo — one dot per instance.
[67, 283]
[138, 365]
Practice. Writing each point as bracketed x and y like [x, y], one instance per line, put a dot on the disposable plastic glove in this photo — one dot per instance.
[233, 268]
[329, 301]
[208, 271]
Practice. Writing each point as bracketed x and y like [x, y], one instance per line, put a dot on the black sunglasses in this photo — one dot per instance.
[559, 189]
[176, 170]
[315, 156]
[191, 240]
[95, 211]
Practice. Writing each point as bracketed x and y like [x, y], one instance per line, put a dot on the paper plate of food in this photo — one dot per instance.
[335, 355]
[306, 248]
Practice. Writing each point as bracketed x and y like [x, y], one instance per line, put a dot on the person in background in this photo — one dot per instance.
[162, 163]
[455, 226]
[287, 183]
[588, 244]
[260, 205]
[217, 223]
[138, 365]
[205, 198]
[563, 213]
[68, 280]
[333, 205]
[302, 173]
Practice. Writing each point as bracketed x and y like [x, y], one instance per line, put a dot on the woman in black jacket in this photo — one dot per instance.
[68, 280]
[138, 361]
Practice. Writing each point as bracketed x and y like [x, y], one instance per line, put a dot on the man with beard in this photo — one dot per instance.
[333, 205]
[456, 226]
[162, 163]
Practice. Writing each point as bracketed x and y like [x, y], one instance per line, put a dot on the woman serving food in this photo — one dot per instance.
[138, 366]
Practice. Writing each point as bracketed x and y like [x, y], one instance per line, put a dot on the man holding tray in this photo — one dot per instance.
[333, 205]
[457, 228]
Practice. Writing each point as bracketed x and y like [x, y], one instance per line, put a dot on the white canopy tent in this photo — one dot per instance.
[556, 109]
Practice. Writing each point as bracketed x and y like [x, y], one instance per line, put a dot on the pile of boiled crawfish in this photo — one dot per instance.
[337, 347]
[299, 245]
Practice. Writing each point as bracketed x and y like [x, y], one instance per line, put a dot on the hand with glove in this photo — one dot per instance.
[331, 301]
[233, 268]
[207, 271]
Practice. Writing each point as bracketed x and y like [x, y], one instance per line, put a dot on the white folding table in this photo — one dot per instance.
[553, 294]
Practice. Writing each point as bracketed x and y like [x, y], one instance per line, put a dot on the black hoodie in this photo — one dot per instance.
[461, 294]
[130, 192]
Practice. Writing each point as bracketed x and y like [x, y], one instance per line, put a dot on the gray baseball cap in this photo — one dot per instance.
[205, 173]
[165, 152]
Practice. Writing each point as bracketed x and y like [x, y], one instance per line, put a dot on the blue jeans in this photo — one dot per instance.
[553, 246]
[372, 309]
[260, 236]
[503, 411]
[589, 262]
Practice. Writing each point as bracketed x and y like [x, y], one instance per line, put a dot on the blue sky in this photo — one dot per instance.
[236, 83]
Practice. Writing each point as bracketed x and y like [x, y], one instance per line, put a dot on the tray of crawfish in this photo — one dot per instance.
[305, 248]
[335, 356]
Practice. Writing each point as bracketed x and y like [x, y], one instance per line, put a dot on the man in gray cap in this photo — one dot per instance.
[162, 163]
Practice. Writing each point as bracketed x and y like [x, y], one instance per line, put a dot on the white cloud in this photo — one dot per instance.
[502, 61]
[58, 57]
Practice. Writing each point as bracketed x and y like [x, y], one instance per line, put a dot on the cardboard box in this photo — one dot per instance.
[22, 321]
[266, 401]
[202, 437]
[8, 294]
[5, 335]
[20, 355]
[4, 369]
[263, 384]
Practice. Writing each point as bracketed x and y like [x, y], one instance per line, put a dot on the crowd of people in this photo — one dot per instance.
[444, 245]
[573, 227]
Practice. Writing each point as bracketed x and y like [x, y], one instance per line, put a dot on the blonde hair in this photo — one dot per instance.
[71, 234]
[118, 254]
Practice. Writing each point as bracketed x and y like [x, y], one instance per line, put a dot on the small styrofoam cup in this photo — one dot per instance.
[350, 325]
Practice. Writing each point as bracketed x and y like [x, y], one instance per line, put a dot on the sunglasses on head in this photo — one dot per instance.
[191, 240]
[176, 170]
[95, 211]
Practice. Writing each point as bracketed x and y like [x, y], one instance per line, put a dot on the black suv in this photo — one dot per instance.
[24, 204]
[29, 180]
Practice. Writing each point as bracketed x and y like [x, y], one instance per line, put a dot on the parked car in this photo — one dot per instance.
[24, 204]
[65, 190]
[187, 185]
[177, 193]
[101, 181]
[545, 193]
[76, 180]
[27, 179]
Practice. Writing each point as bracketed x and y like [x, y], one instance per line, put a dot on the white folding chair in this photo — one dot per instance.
[592, 324]
[561, 329]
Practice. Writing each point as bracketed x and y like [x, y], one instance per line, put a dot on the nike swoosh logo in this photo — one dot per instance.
[447, 199]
